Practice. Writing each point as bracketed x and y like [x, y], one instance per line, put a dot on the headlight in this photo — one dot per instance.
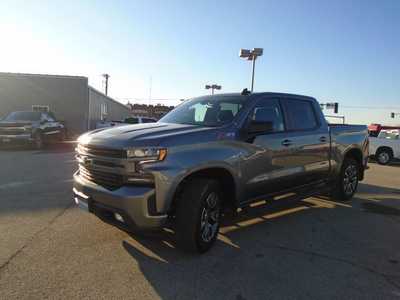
[147, 154]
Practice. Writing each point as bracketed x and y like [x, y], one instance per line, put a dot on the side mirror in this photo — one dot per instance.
[256, 127]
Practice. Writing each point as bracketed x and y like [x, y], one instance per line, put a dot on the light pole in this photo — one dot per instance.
[252, 56]
[106, 76]
[213, 87]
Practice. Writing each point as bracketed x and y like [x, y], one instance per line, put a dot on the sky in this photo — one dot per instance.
[162, 51]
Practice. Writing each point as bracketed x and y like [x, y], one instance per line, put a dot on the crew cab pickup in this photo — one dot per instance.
[386, 146]
[30, 127]
[212, 155]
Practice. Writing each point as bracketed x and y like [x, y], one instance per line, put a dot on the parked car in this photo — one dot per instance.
[386, 146]
[31, 128]
[215, 154]
[126, 121]
[375, 129]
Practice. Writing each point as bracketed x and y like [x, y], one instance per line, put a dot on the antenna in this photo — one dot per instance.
[245, 92]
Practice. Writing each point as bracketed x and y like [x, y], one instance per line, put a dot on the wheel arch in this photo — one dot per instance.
[37, 131]
[388, 148]
[221, 174]
[357, 155]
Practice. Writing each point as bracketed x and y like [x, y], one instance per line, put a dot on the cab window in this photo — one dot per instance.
[301, 114]
[268, 110]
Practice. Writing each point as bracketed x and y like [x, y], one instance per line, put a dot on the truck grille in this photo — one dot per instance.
[105, 179]
[12, 130]
[98, 151]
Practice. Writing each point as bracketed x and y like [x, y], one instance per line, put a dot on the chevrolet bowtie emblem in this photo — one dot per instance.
[87, 161]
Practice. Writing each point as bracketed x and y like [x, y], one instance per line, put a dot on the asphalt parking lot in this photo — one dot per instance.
[309, 250]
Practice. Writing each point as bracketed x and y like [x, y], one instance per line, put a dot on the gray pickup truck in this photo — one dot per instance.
[212, 155]
[33, 128]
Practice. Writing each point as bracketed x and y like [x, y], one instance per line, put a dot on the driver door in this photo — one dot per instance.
[269, 166]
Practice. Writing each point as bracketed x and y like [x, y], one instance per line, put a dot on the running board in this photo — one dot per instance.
[288, 197]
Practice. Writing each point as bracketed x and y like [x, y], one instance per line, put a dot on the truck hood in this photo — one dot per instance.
[139, 135]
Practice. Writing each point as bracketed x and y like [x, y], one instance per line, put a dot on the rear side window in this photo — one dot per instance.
[300, 114]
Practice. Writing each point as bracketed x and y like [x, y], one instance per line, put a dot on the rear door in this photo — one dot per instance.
[307, 140]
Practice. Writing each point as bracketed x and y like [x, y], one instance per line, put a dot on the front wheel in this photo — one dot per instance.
[63, 135]
[38, 141]
[347, 182]
[384, 156]
[198, 215]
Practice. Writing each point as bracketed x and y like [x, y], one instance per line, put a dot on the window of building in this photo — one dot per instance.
[41, 108]
[103, 111]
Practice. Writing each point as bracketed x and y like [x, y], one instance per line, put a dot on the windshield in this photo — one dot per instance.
[210, 111]
[23, 116]
[390, 135]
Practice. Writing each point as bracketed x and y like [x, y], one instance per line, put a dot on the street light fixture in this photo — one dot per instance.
[213, 87]
[106, 76]
[252, 56]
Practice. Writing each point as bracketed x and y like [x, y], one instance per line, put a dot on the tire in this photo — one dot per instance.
[198, 215]
[384, 156]
[347, 183]
[38, 142]
[63, 136]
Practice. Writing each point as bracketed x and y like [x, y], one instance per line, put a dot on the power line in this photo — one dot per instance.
[146, 99]
[371, 107]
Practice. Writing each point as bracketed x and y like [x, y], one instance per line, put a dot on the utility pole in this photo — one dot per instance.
[106, 76]
[150, 88]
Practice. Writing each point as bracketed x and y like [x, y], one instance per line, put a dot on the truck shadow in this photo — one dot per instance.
[61, 147]
[240, 265]
[393, 163]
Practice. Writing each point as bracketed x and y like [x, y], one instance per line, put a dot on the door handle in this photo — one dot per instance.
[287, 143]
[323, 139]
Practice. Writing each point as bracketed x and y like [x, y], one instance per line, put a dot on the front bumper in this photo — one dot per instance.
[20, 139]
[133, 204]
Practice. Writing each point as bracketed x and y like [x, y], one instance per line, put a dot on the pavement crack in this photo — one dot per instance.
[31, 239]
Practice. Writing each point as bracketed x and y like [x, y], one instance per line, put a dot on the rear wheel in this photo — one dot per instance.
[347, 183]
[384, 156]
[198, 215]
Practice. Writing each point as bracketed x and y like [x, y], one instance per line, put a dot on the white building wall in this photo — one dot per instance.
[104, 107]
[65, 96]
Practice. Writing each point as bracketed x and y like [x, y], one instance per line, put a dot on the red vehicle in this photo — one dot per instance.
[374, 129]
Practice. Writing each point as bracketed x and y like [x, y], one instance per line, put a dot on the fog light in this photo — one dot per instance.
[118, 217]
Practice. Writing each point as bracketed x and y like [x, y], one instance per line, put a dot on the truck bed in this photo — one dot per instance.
[344, 137]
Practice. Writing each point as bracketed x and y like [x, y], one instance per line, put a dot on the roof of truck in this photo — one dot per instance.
[264, 94]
